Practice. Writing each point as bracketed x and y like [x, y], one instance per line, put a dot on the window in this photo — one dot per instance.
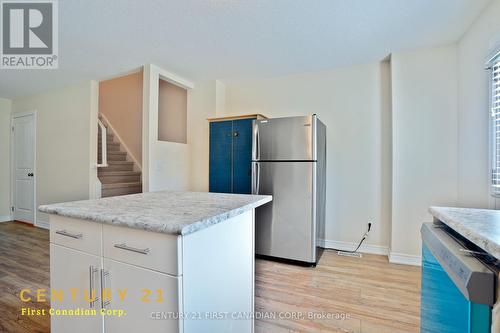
[494, 66]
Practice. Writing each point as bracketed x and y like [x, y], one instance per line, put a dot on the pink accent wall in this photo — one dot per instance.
[120, 101]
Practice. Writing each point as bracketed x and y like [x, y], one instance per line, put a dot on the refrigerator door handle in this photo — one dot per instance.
[255, 178]
[258, 177]
[256, 142]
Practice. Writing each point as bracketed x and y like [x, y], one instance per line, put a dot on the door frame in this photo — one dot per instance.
[33, 113]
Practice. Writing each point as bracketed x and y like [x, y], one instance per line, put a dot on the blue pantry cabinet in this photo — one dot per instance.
[231, 154]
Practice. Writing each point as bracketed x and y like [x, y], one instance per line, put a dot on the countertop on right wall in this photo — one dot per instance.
[480, 226]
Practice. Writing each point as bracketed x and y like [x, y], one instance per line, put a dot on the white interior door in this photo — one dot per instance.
[23, 153]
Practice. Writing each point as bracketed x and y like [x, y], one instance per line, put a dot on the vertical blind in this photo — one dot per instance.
[495, 124]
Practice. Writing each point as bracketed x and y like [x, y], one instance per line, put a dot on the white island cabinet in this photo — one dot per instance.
[153, 270]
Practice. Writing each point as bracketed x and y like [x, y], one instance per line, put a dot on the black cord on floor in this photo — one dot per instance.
[359, 245]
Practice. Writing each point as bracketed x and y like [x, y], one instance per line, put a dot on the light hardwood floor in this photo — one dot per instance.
[24, 263]
[369, 295]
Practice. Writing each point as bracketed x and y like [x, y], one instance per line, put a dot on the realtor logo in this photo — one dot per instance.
[29, 34]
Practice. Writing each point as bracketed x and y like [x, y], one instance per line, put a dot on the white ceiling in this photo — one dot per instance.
[231, 39]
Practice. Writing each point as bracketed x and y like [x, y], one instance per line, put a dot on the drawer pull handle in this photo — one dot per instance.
[124, 246]
[68, 234]
[92, 271]
[104, 275]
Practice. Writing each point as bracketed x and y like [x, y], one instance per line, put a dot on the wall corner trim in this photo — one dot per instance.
[171, 77]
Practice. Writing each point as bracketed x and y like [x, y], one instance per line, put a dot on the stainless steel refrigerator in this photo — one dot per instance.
[289, 163]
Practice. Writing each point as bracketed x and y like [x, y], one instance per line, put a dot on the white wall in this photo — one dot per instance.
[63, 143]
[94, 182]
[170, 165]
[348, 101]
[5, 111]
[424, 118]
[201, 105]
[480, 41]
[386, 143]
[435, 132]
[165, 165]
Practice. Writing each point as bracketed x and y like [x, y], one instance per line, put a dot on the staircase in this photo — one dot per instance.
[121, 176]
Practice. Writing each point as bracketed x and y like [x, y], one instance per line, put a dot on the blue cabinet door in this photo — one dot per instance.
[242, 156]
[443, 307]
[220, 173]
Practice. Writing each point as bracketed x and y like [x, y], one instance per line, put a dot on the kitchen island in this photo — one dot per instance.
[153, 262]
[460, 271]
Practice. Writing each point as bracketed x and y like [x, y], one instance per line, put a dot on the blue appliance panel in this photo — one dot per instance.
[221, 141]
[242, 156]
[443, 307]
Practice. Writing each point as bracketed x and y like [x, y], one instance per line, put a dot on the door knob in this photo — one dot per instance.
[235, 134]
[30, 174]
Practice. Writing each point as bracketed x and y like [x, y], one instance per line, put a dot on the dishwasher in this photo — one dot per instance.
[459, 283]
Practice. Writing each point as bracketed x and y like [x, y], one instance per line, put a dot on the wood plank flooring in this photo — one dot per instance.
[351, 295]
[362, 295]
[24, 263]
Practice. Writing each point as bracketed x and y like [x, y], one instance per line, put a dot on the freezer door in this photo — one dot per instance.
[285, 139]
[285, 228]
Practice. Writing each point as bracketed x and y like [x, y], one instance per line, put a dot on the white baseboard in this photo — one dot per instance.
[5, 218]
[39, 223]
[42, 224]
[394, 258]
[350, 246]
[405, 259]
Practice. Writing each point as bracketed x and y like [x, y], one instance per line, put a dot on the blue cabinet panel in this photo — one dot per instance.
[231, 156]
[220, 178]
[242, 156]
[443, 307]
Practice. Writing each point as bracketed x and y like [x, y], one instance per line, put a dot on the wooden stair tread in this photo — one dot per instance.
[121, 185]
[110, 143]
[113, 152]
[119, 177]
[104, 172]
[119, 167]
[121, 162]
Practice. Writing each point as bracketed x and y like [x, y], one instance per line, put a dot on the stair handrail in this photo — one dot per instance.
[104, 146]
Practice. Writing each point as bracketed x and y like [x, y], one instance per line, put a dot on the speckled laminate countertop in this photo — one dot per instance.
[480, 226]
[167, 212]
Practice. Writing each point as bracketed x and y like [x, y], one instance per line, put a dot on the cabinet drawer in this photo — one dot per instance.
[76, 234]
[146, 249]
